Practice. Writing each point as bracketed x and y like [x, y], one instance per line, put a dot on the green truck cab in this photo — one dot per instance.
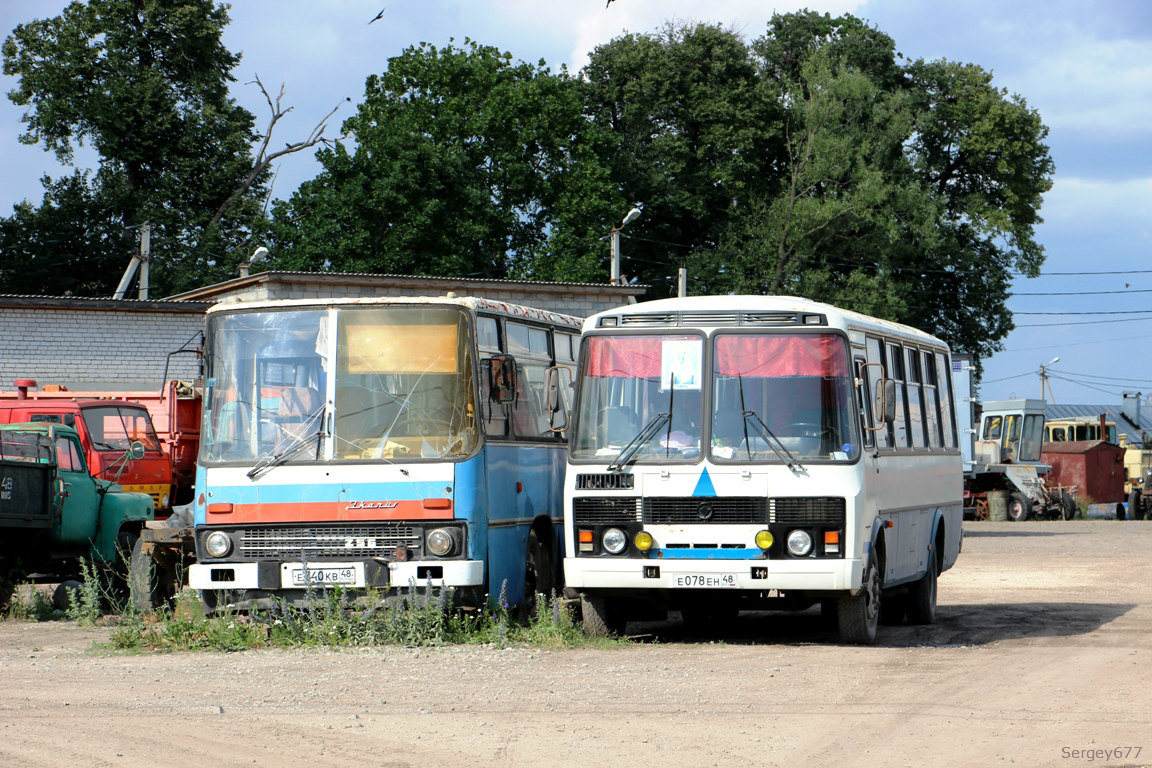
[53, 512]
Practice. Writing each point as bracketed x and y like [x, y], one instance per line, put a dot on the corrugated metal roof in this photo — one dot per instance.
[1054, 411]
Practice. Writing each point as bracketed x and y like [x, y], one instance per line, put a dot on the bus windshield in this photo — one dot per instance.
[776, 394]
[645, 389]
[346, 384]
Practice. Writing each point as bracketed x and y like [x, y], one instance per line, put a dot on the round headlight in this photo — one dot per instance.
[217, 544]
[799, 543]
[614, 541]
[164, 501]
[440, 542]
[643, 541]
[765, 539]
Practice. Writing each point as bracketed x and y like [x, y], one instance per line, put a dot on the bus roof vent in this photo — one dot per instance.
[648, 319]
[691, 319]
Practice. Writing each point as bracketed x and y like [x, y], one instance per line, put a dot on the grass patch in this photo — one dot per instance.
[416, 616]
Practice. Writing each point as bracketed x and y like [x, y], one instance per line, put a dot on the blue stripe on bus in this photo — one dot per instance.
[283, 494]
[751, 553]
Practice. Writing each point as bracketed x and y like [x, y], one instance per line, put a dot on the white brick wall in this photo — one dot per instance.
[96, 348]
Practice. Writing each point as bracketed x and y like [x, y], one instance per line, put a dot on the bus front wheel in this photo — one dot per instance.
[600, 616]
[859, 615]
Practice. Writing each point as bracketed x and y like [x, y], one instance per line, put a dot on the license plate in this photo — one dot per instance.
[344, 575]
[705, 580]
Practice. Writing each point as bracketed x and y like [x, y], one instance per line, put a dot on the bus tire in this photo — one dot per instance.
[538, 572]
[599, 617]
[922, 595]
[1019, 507]
[859, 615]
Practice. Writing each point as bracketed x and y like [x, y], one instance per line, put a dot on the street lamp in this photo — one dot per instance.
[632, 216]
[1044, 379]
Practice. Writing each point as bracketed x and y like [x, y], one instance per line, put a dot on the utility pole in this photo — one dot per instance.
[1044, 385]
[145, 258]
[632, 214]
[682, 283]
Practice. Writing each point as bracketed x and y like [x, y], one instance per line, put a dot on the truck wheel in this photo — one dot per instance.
[859, 614]
[1068, 507]
[1019, 507]
[922, 595]
[600, 616]
[147, 586]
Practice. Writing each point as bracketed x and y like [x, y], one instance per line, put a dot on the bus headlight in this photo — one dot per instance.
[643, 541]
[799, 543]
[614, 541]
[217, 544]
[765, 539]
[164, 501]
[440, 542]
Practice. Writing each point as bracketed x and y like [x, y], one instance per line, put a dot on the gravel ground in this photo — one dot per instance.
[1040, 657]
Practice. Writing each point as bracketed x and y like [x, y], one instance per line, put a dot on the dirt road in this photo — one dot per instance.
[1042, 657]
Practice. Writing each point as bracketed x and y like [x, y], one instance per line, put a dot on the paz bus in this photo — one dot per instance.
[372, 443]
[734, 453]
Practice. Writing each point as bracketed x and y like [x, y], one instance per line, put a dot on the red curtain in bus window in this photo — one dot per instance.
[624, 356]
[774, 355]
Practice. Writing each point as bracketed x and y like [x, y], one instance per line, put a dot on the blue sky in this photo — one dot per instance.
[1085, 66]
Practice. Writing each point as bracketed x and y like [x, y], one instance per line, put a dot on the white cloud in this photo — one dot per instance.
[1085, 205]
[1092, 86]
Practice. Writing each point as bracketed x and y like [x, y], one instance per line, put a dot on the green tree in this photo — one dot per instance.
[465, 163]
[695, 133]
[816, 161]
[145, 84]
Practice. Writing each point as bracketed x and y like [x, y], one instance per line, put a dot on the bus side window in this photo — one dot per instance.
[875, 374]
[896, 373]
[863, 402]
[494, 415]
[944, 390]
[530, 346]
[932, 415]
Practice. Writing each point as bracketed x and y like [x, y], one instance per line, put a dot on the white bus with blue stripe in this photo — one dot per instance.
[737, 453]
[375, 443]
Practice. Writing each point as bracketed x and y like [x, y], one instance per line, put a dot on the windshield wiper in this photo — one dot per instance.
[751, 417]
[644, 435]
[270, 460]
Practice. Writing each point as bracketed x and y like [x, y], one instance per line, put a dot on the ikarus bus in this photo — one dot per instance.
[754, 452]
[373, 443]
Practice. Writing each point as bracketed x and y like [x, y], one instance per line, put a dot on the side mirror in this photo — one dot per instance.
[502, 378]
[558, 379]
[136, 450]
[884, 408]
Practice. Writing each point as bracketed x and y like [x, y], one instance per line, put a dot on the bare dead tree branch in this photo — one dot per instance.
[263, 157]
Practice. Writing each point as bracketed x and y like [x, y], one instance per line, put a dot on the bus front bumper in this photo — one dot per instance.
[605, 573]
[354, 574]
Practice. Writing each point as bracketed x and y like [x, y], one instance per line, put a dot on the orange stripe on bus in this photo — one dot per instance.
[332, 511]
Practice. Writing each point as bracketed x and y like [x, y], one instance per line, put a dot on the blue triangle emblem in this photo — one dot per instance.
[704, 485]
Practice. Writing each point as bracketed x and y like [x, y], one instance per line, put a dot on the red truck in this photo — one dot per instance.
[165, 422]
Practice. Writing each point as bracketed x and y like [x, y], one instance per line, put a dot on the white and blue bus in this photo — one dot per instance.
[734, 453]
[372, 443]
